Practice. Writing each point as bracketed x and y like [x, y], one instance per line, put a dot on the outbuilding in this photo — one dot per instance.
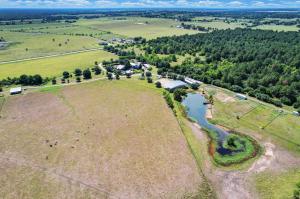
[14, 91]
[296, 113]
[120, 67]
[241, 96]
[191, 81]
[171, 85]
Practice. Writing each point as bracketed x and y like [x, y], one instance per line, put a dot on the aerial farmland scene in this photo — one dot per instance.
[146, 99]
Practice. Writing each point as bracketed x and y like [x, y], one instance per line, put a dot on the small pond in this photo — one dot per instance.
[196, 109]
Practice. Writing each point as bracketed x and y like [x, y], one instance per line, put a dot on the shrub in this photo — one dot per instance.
[195, 86]
[97, 70]
[286, 101]
[109, 76]
[276, 102]
[168, 99]
[87, 74]
[78, 72]
[66, 74]
[149, 80]
[179, 94]
[148, 74]
[297, 191]
[158, 84]
[53, 81]
[78, 79]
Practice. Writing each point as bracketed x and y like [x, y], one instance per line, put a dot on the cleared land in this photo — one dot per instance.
[54, 66]
[218, 24]
[276, 172]
[278, 185]
[277, 27]
[42, 44]
[258, 119]
[119, 141]
[137, 26]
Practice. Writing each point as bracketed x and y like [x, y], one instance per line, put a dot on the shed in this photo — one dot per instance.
[16, 90]
[296, 113]
[171, 85]
[191, 81]
[120, 67]
[136, 65]
[241, 96]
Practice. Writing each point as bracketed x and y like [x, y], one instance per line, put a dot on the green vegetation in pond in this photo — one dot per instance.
[242, 148]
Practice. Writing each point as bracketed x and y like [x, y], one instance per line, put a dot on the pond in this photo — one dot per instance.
[196, 109]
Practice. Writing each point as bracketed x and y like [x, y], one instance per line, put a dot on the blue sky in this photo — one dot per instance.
[149, 3]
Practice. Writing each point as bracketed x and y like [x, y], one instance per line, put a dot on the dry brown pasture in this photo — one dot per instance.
[106, 139]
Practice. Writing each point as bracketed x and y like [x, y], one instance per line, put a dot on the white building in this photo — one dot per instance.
[171, 85]
[120, 67]
[241, 96]
[146, 66]
[191, 81]
[296, 113]
[16, 90]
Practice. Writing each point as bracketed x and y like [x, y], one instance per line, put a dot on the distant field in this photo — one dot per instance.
[257, 119]
[118, 141]
[49, 67]
[218, 24]
[42, 44]
[277, 27]
[137, 26]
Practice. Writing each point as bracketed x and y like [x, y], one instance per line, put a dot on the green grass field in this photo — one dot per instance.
[218, 24]
[277, 28]
[42, 44]
[256, 119]
[137, 26]
[277, 186]
[49, 67]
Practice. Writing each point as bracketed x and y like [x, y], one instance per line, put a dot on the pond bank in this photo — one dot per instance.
[225, 147]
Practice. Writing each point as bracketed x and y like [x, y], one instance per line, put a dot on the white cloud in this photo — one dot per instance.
[264, 4]
[209, 3]
[235, 4]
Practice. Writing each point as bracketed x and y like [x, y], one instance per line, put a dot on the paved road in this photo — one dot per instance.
[49, 56]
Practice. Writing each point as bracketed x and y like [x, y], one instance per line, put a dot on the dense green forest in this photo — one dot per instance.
[264, 64]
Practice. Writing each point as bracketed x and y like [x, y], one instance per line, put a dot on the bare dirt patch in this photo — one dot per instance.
[99, 140]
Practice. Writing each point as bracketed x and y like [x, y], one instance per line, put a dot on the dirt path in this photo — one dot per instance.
[239, 184]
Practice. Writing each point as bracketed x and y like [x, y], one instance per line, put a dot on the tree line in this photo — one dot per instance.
[264, 64]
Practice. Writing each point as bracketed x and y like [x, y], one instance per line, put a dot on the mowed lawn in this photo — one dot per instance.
[54, 66]
[258, 119]
[148, 28]
[118, 141]
[42, 44]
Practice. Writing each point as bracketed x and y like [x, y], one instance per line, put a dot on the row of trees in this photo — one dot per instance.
[194, 27]
[264, 64]
[25, 80]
